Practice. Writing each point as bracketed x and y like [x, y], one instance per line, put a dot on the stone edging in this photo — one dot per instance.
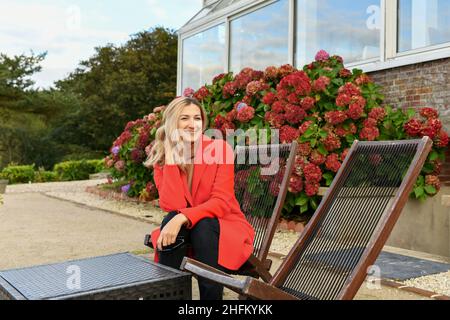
[418, 291]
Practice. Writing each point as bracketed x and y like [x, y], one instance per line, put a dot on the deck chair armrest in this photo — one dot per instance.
[248, 286]
[261, 268]
[263, 291]
[208, 272]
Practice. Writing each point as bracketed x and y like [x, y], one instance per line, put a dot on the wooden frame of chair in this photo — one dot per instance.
[259, 263]
[267, 291]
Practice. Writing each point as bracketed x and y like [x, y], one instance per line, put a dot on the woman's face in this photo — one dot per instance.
[190, 123]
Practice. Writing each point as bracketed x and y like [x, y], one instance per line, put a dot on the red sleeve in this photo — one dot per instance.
[221, 194]
[168, 181]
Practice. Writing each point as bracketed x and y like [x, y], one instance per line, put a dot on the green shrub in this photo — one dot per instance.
[45, 176]
[77, 170]
[18, 174]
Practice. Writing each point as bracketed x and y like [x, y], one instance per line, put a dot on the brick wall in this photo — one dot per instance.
[420, 85]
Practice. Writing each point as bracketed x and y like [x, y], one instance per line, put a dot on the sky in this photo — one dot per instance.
[69, 30]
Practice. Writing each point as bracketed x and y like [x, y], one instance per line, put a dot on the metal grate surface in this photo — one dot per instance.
[51, 281]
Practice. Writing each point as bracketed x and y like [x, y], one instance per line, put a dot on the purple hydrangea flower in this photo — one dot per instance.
[240, 106]
[115, 150]
[188, 92]
[126, 188]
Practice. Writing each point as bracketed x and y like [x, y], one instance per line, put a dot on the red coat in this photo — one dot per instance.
[212, 196]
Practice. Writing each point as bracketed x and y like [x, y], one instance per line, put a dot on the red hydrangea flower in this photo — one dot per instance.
[335, 117]
[271, 73]
[269, 98]
[322, 55]
[256, 86]
[343, 100]
[202, 94]
[355, 111]
[229, 89]
[442, 139]
[321, 84]
[241, 178]
[218, 78]
[370, 122]
[312, 173]
[297, 82]
[295, 184]
[243, 78]
[278, 107]
[219, 121]
[432, 180]
[345, 73]
[245, 114]
[363, 79]
[288, 134]
[308, 103]
[332, 163]
[294, 114]
[293, 98]
[119, 165]
[188, 92]
[317, 158]
[231, 116]
[378, 114]
[413, 127]
[429, 113]
[304, 149]
[311, 188]
[305, 125]
[276, 120]
[285, 70]
[369, 133]
[331, 142]
[151, 190]
[350, 89]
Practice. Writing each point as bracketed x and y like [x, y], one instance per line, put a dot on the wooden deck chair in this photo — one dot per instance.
[331, 258]
[262, 174]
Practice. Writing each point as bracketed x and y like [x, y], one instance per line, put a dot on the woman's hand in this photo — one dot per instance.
[170, 231]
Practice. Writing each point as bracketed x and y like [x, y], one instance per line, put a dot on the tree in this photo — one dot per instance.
[119, 84]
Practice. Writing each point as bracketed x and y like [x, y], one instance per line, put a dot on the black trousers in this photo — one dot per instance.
[204, 239]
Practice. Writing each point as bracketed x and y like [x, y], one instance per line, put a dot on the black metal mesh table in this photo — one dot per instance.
[117, 276]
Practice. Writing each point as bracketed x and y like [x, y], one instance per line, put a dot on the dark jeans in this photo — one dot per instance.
[204, 239]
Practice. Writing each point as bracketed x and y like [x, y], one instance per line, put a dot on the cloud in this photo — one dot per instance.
[69, 33]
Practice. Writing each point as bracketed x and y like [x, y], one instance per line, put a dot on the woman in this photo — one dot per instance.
[194, 175]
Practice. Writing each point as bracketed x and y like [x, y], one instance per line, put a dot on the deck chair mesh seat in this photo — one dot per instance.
[331, 258]
[261, 175]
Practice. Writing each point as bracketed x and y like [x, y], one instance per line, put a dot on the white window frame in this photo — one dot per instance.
[389, 57]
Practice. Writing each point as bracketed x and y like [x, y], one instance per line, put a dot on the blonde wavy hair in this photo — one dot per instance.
[169, 124]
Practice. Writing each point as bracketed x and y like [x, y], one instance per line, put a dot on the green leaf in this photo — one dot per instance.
[301, 201]
[419, 191]
[430, 190]
[313, 143]
[304, 208]
[322, 150]
[433, 155]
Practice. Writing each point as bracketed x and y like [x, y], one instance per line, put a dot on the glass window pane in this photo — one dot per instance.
[203, 57]
[423, 23]
[260, 38]
[347, 28]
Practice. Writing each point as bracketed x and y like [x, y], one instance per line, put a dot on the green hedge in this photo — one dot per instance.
[64, 171]
[77, 170]
[18, 174]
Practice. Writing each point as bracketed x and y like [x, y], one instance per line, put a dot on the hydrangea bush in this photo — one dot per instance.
[324, 106]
